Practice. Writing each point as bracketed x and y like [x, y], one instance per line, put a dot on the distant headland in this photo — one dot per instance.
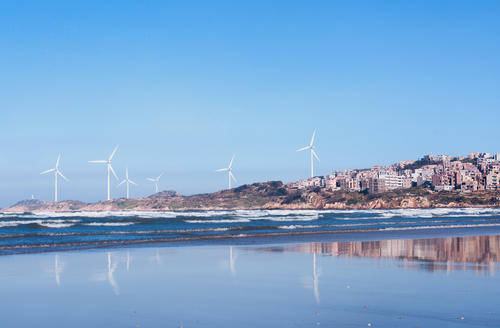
[275, 195]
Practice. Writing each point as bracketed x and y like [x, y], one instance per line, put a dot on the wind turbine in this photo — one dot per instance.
[56, 173]
[313, 153]
[128, 182]
[156, 181]
[229, 171]
[110, 168]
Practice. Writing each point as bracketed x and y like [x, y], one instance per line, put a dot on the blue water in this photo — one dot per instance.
[35, 232]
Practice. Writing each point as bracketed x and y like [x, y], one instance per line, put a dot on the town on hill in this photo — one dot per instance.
[477, 171]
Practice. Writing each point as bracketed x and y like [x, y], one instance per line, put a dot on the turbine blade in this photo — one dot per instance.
[62, 176]
[231, 163]
[120, 183]
[158, 178]
[315, 155]
[126, 173]
[48, 171]
[222, 170]
[113, 171]
[151, 179]
[58, 159]
[98, 161]
[232, 176]
[113, 154]
[312, 139]
[132, 182]
[304, 148]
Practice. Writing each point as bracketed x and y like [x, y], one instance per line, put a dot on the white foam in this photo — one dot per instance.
[218, 221]
[445, 226]
[109, 224]
[291, 218]
[45, 223]
[56, 225]
[292, 227]
[8, 224]
[439, 212]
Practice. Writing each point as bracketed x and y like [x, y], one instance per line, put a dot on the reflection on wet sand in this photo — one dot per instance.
[128, 261]
[111, 278]
[232, 260]
[435, 254]
[57, 270]
[315, 280]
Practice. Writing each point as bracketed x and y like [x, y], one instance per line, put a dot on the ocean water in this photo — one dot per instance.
[437, 282]
[39, 232]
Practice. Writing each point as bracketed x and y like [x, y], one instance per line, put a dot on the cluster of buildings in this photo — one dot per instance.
[478, 171]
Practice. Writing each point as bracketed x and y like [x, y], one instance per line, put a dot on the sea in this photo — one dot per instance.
[259, 268]
[42, 232]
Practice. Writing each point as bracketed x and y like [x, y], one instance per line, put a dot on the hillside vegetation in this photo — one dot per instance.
[275, 195]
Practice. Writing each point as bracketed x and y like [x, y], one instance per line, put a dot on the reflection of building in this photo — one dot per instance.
[479, 250]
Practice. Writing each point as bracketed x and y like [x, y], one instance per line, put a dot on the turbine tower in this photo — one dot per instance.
[56, 173]
[313, 153]
[229, 171]
[156, 181]
[110, 168]
[128, 182]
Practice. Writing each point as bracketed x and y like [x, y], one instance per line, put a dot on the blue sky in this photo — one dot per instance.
[182, 85]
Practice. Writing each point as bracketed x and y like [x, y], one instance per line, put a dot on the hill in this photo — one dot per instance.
[274, 195]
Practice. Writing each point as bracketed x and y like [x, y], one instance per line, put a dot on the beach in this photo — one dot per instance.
[446, 281]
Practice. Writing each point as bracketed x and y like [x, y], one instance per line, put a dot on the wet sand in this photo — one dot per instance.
[441, 282]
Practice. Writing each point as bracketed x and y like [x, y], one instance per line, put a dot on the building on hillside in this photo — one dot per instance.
[473, 155]
[392, 181]
[376, 185]
[439, 180]
[318, 181]
[332, 182]
[492, 180]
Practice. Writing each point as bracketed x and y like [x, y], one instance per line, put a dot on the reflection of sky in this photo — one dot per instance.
[205, 286]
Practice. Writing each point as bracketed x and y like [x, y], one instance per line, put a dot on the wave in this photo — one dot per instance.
[218, 221]
[43, 223]
[292, 227]
[439, 212]
[109, 224]
[291, 218]
[443, 226]
[56, 225]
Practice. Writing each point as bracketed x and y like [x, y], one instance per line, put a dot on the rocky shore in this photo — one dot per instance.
[273, 195]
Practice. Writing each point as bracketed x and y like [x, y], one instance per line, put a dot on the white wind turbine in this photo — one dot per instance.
[229, 171]
[110, 168]
[56, 173]
[128, 182]
[313, 153]
[156, 181]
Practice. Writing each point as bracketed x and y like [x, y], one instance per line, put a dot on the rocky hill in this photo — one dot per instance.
[274, 195]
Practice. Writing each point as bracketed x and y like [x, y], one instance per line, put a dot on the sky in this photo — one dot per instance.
[181, 86]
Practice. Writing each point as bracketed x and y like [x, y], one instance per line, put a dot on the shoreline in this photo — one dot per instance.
[224, 209]
[271, 239]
